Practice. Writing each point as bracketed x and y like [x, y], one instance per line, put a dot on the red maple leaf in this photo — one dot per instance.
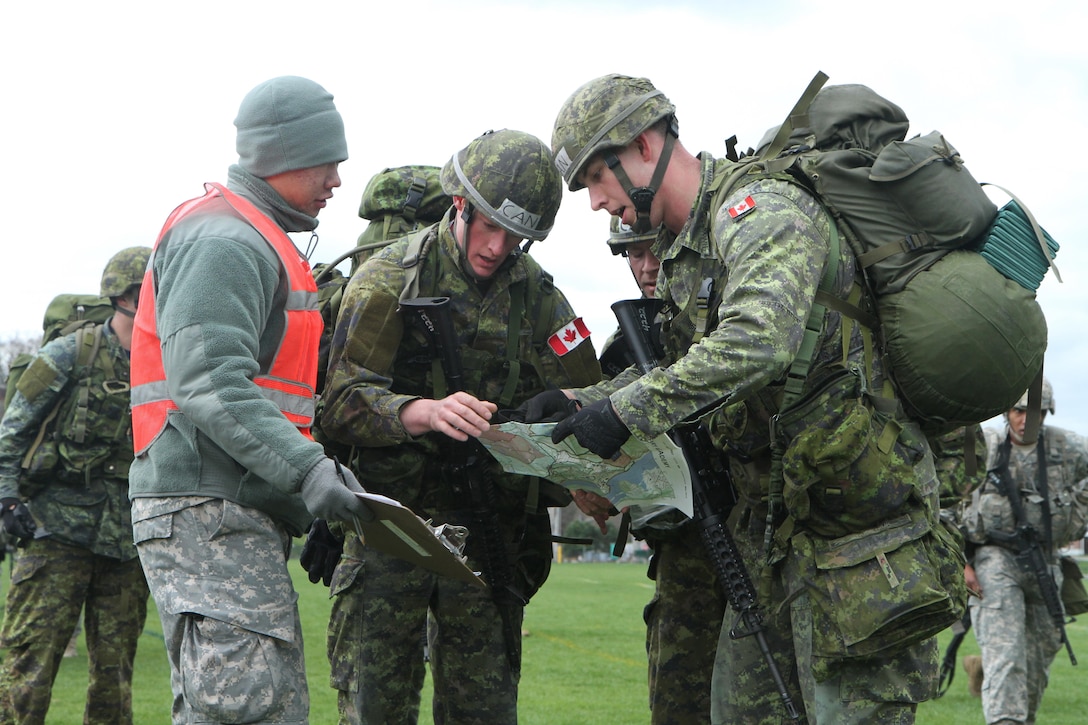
[569, 335]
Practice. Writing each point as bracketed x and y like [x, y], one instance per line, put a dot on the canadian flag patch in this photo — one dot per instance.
[569, 337]
[742, 208]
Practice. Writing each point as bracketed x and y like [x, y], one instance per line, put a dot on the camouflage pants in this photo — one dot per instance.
[218, 572]
[1016, 635]
[375, 645]
[50, 582]
[882, 690]
[682, 620]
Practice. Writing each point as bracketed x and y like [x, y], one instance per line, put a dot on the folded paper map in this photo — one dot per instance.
[643, 474]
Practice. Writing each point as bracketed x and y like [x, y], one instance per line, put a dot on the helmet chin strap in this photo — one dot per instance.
[642, 197]
[115, 303]
[462, 249]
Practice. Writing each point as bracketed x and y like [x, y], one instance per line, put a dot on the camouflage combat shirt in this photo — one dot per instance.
[379, 362]
[82, 500]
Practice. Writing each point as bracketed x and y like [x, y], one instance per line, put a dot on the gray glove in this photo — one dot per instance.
[327, 492]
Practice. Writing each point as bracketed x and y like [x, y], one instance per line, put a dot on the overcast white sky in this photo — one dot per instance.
[114, 112]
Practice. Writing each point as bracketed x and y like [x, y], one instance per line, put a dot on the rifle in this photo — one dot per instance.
[1030, 554]
[948, 664]
[465, 469]
[713, 494]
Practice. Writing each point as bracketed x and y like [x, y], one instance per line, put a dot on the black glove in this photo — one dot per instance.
[17, 521]
[551, 406]
[597, 427]
[320, 553]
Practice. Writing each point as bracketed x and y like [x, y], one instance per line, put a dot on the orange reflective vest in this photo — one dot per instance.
[289, 383]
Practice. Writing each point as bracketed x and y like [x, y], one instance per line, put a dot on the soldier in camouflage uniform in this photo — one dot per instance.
[637, 250]
[1015, 633]
[759, 252]
[77, 551]
[688, 604]
[388, 396]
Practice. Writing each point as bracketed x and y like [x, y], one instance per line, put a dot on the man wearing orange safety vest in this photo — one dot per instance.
[224, 360]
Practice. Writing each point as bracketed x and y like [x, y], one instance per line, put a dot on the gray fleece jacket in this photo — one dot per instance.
[219, 306]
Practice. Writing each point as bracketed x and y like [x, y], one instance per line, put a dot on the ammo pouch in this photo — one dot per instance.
[886, 588]
[533, 555]
[847, 462]
[73, 511]
[1074, 596]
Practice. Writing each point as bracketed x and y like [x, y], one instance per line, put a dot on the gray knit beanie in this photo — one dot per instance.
[288, 123]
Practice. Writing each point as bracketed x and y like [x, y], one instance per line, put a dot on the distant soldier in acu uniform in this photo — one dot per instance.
[387, 395]
[1016, 634]
[77, 551]
[740, 284]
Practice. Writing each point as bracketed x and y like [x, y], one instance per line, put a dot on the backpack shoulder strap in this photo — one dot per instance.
[88, 348]
[543, 308]
[797, 118]
[418, 245]
[769, 160]
[88, 342]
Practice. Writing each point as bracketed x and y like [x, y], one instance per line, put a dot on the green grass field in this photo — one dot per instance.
[584, 660]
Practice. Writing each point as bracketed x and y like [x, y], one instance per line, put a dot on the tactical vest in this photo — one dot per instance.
[289, 383]
[523, 371]
[1054, 456]
[405, 471]
[88, 432]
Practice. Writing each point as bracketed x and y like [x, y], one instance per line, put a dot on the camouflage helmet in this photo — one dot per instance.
[605, 113]
[508, 175]
[1047, 402]
[124, 270]
[621, 234]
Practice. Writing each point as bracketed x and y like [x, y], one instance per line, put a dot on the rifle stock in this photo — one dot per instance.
[466, 469]
[713, 494]
[433, 316]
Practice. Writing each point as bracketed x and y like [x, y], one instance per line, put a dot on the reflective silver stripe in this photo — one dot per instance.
[301, 300]
[302, 406]
[299, 405]
[152, 392]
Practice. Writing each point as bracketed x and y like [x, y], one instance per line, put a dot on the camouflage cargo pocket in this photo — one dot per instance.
[846, 465]
[44, 460]
[883, 589]
[77, 512]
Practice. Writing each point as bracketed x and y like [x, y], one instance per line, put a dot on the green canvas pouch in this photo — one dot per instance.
[847, 465]
[886, 588]
[1074, 596]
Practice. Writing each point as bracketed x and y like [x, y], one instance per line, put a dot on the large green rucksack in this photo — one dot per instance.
[65, 314]
[398, 201]
[962, 331]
